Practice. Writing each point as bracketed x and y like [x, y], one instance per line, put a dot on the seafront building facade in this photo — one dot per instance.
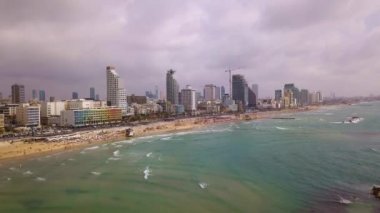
[18, 94]
[210, 92]
[172, 88]
[188, 99]
[28, 115]
[116, 93]
[240, 89]
[2, 123]
[87, 117]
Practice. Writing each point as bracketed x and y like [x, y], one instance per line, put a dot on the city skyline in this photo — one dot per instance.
[272, 43]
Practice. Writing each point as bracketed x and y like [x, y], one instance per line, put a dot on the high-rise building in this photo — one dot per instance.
[92, 93]
[295, 91]
[97, 97]
[222, 91]
[210, 93]
[42, 95]
[240, 89]
[172, 88]
[288, 98]
[217, 93]
[251, 98]
[1, 96]
[156, 92]
[278, 95]
[34, 94]
[319, 97]
[116, 93]
[188, 99]
[304, 97]
[52, 98]
[75, 95]
[18, 94]
[27, 115]
[255, 89]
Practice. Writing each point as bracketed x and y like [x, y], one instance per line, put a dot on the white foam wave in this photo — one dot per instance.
[9, 179]
[12, 168]
[147, 173]
[166, 138]
[114, 159]
[96, 173]
[281, 128]
[92, 148]
[336, 122]
[344, 201]
[71, 159]
[119, 146]
[28, 173]
[203, 185]
[149, 154]
[116, 153]
[40, 179]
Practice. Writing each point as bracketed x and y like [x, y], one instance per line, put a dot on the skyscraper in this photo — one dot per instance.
[42, 95]
[255, 89]
[217, 93]
[278, 95]
[75, 95]
[18, 93]
[304, 97]
[92, 93]
[210, 93]
[295, 91]
[240, 89]
[222, 91]
[116, 94]
[188, 99]
[251, 98]
[172, 87]
[34, 94]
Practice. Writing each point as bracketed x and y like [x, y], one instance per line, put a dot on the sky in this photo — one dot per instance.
[65, 45]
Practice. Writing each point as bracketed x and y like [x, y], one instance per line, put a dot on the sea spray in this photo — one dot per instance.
[147, 173]
[116, 153]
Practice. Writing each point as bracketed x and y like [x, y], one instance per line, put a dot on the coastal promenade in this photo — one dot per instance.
[27, 147]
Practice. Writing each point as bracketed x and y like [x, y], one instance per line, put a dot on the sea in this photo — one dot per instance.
[315, 162]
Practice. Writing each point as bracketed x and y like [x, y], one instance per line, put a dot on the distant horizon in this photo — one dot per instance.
[65, 46]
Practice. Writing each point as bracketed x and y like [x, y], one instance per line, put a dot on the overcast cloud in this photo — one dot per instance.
[64, 46]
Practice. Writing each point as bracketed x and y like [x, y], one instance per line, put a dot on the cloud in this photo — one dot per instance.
[64, 46]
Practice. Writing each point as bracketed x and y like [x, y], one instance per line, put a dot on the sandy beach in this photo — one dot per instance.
[25, 147]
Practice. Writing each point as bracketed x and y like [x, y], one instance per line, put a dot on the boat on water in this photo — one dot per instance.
[353, 119]
[129, 132]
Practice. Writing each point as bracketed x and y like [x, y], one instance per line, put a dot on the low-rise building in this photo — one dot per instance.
[28, 115]
[88, 117]
[2, 123]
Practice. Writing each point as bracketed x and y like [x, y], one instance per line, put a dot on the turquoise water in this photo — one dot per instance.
[302, 165]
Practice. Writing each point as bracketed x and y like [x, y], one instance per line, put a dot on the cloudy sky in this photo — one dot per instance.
[64, 46]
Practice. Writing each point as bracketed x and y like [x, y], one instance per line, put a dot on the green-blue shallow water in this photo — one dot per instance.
[304, 165]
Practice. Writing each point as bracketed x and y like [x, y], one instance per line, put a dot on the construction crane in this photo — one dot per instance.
[229, 71]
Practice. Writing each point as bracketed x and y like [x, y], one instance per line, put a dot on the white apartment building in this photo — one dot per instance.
[27, 115]
[188, 99]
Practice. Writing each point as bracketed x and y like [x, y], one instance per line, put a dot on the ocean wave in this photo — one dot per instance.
[281, 128]
[344, 200]
[96, 173]
[147, 173]
[166, 138]
[12, 168]
[40, 179]
[114, 158]
[149, 154]
[92, 148]
[27, 173]
[116, 153]
[203, 185]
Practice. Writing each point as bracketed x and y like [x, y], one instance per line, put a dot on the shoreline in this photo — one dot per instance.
[21, 149]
